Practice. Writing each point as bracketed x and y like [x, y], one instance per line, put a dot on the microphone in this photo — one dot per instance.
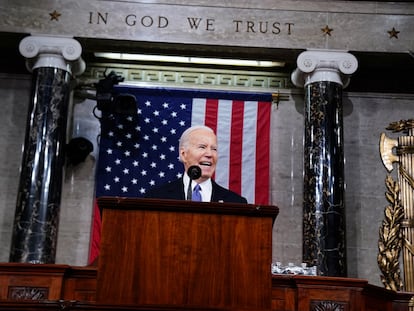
[194, 172]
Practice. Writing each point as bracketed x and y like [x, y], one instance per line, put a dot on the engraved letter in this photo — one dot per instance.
[261, 28]
[276, 28]
[237, 25]
[147, 21]
[162, 22]
[289, 28]
[194, 22]
[130, 20]
[250, 26]
[210, 24]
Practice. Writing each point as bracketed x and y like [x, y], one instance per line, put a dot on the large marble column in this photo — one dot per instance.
[53, 61]
[324, 74]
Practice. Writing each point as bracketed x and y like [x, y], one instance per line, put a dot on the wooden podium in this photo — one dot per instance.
[182, 253]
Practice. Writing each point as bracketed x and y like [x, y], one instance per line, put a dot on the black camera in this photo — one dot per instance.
[108, 102]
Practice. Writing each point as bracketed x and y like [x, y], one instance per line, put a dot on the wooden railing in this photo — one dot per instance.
[29, 287]
[183, 255]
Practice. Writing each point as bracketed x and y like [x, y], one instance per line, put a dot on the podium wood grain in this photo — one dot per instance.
[185, 253]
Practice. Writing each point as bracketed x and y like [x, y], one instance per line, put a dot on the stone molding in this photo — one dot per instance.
[260, 81]
[341, 25]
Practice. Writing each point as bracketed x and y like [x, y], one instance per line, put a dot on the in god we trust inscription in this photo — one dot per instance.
[193, 23]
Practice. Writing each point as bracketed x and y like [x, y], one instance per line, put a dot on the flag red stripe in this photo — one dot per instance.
[236, 144]
[211, 113]
[263, 153]
[96, 234]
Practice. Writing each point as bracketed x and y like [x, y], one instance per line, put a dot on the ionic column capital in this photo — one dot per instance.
[57, 52]
[324, 65]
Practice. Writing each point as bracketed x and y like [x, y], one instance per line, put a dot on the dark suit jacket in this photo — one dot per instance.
[175, 191]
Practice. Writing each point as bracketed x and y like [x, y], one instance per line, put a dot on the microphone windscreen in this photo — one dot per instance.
[194, 172]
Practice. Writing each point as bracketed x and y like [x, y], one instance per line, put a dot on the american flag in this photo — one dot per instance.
[140, 151]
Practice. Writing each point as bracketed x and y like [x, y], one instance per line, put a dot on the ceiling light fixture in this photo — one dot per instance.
[189, 60]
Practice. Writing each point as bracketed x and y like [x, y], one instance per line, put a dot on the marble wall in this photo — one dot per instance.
[365, 117]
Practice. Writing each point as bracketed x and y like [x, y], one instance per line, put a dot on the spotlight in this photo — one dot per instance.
[78, 149]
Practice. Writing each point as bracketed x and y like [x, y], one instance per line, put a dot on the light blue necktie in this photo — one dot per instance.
[196, 193]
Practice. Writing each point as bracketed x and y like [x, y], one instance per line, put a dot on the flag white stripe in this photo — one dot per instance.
[248, 174]
[224, 137]
[198, 113]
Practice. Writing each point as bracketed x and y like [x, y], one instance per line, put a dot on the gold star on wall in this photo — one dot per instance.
[327, 30]
[55, 15]
[393, 33]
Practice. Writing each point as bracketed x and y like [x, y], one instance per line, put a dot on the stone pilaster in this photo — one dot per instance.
[53, 61]
[324, 74]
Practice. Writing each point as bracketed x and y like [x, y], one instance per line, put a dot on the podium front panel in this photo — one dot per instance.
[190, 258]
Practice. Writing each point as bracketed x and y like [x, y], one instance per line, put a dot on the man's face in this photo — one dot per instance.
[202, 151]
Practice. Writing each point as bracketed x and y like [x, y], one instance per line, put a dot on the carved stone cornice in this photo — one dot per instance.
[324, 65]
[57, 52]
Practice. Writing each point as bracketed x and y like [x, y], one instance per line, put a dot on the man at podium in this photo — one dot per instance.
[198, 153]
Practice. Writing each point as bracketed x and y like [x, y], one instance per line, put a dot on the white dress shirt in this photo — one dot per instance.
[206, 188]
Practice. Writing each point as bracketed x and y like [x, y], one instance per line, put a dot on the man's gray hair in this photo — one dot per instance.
[183, 142]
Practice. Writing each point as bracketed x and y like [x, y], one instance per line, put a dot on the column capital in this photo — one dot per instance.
[57, 52]
[324, 65]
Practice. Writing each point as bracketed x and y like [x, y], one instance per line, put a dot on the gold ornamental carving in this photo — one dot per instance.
[397, 230]
[390, 238]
